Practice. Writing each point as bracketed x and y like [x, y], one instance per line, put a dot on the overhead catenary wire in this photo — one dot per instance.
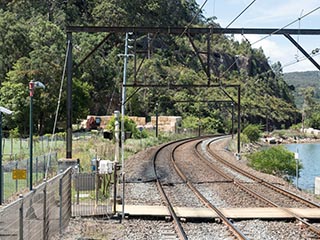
[303, 58]
[58, 106]
[240, 14]
[289, 24]
[298, 19]
[194, 17]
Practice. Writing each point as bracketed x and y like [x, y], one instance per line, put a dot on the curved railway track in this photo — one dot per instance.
[258, 180]
[188, 177]
[177, 224]
[235, 231]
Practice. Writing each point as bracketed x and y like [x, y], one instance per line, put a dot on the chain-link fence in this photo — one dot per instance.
[39, 165]
[40, 214]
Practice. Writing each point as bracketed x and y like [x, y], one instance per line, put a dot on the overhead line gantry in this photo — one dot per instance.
[189, 32]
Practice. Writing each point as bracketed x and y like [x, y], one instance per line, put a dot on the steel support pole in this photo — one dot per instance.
[232, 120]
[123, 108]
[157, 123]
[69, 98]
[1, 169]
[208, 58]
[21, 218]
[297, 45]
[239, 119]
[115, 178]
[31, 142]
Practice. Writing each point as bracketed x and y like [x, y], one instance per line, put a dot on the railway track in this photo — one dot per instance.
[177, 224]
[177, 169]
[235, 231]
[258, 180]
[181, 234]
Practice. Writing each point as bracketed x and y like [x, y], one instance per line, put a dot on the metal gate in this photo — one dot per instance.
[91, 194]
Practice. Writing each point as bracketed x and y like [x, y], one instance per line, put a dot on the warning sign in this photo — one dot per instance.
[19, 174]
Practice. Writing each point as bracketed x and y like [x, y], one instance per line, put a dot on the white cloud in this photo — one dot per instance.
[271, 48]
[273, 14]
[281, 12]
[285, 53]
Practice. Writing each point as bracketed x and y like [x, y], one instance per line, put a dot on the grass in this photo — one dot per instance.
[18, 148]
[12, 186]
[85, 148]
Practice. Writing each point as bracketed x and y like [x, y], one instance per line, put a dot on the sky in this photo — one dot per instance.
[272, 14]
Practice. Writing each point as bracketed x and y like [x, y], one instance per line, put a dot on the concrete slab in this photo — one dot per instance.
[234, 213]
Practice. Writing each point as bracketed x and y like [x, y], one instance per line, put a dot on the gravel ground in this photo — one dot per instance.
[227, 195]
[140, 193]
[274, 230]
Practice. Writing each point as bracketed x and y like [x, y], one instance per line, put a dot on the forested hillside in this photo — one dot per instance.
[301, 81]
[33, 47]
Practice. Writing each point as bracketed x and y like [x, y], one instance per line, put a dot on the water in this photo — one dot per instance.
[309, 155]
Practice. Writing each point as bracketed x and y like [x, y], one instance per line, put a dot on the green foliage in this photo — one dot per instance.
[190, 122]
[129, 126]
[314, 120]
[253, 132]
[275, 160]
[244, 138]
[296, 126]
[302, 80]
[33, 46]
[14, 133]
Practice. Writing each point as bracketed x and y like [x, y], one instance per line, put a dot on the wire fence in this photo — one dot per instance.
[40, 214]
[12, 186]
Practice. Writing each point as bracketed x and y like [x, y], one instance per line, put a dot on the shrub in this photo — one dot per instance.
[14, 133]
[253, 132]
[129, 126]
[275, 160]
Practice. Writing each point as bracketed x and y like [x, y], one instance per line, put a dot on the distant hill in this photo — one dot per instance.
[301, 80]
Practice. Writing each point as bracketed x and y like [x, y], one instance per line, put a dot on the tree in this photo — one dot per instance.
[14, 41]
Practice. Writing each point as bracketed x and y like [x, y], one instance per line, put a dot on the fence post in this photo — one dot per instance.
[70, 194]
[37, 169]
[45, 237]
[28, 172]
[16, 179]
[60, 206]
[97, 181]
[44, 167]
[21, 218]
[115, 188]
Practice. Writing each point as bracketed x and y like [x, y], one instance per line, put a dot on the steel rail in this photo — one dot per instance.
[231, 179]
[178, 227]
[202, 198]
[261, 181]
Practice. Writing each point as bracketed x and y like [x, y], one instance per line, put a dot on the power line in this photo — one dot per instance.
[240, 14]
[194, 17]
[298, 19]
[300, 59]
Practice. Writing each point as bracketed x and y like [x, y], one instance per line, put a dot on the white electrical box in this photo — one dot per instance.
[106, 166]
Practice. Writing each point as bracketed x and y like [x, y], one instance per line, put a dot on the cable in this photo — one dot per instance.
[199, 10]
[240, 14]
[58, 106]
[298, 19]
[299, 60]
